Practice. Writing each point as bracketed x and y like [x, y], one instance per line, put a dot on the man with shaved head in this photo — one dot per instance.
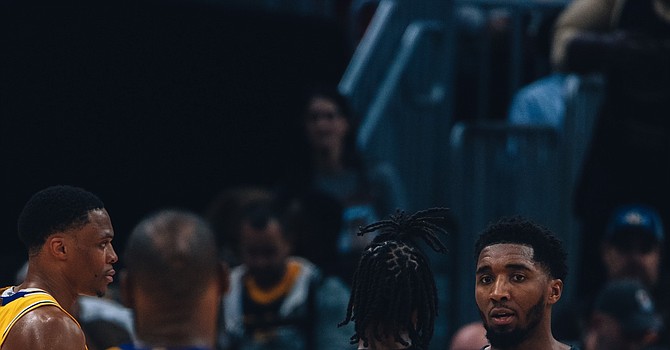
[174, 282]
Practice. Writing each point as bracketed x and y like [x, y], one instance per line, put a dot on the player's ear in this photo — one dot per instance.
[555, 290]
[56, 245]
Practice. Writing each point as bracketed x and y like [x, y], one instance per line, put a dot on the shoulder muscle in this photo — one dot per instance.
[46, 327]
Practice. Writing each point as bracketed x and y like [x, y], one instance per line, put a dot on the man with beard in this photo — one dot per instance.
[520, 269]
[623, 318]
[632, 244]
[277, 300]
[631, 248]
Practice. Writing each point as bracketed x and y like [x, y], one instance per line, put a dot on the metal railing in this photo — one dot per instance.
[399, 82]
[501, 169]
[372, 56]
[523, 19]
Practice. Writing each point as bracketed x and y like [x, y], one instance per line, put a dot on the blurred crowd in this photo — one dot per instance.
[279, 267]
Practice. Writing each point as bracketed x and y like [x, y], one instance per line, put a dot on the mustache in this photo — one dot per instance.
[500, 304]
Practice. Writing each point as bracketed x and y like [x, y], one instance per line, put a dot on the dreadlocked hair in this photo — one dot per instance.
[393, 289]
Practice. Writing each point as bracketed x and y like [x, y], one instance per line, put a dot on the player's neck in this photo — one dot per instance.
[51, 282]
[191, 332]
[193, 323]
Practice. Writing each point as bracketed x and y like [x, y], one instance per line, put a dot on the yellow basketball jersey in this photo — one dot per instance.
[14, 306]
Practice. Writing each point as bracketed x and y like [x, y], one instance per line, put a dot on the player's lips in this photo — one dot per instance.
[110, 275]
[501, 316]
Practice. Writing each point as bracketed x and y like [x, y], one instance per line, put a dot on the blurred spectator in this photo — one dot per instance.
[278, 301]
[471, 336]
[333, 167]
[634, 249]
[315, 220]
[629, 154]
[484, 43]
[631, 249]
[173, 281]
[224, 214]
[624, 318]
[541, 102]
[632, 244]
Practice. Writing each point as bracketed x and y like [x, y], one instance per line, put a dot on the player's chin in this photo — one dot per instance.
[98, 292]
[102, 289]
[101, 292]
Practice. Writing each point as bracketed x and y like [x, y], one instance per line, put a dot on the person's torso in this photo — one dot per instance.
[284, 321]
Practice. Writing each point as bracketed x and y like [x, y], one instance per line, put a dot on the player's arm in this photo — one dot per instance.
[46, 327]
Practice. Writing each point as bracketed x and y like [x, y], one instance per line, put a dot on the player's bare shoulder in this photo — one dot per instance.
[46, 327]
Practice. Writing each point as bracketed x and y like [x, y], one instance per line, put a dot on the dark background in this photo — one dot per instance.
[150, 104]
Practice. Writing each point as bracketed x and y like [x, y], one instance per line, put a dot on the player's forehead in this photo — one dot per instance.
[506, 255]
[99, 224]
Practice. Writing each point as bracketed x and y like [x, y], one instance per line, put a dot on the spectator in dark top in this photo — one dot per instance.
[624, 318]
[276, 300]
[224, 214]
[334, 167]
[316, 222]
[632, 248]
[628, 159]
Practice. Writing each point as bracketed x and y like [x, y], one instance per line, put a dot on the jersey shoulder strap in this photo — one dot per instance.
[14, 306]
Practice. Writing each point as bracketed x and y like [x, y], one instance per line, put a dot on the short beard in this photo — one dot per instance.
[514, 337]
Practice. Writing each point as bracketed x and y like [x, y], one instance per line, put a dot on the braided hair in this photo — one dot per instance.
[393, 288]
